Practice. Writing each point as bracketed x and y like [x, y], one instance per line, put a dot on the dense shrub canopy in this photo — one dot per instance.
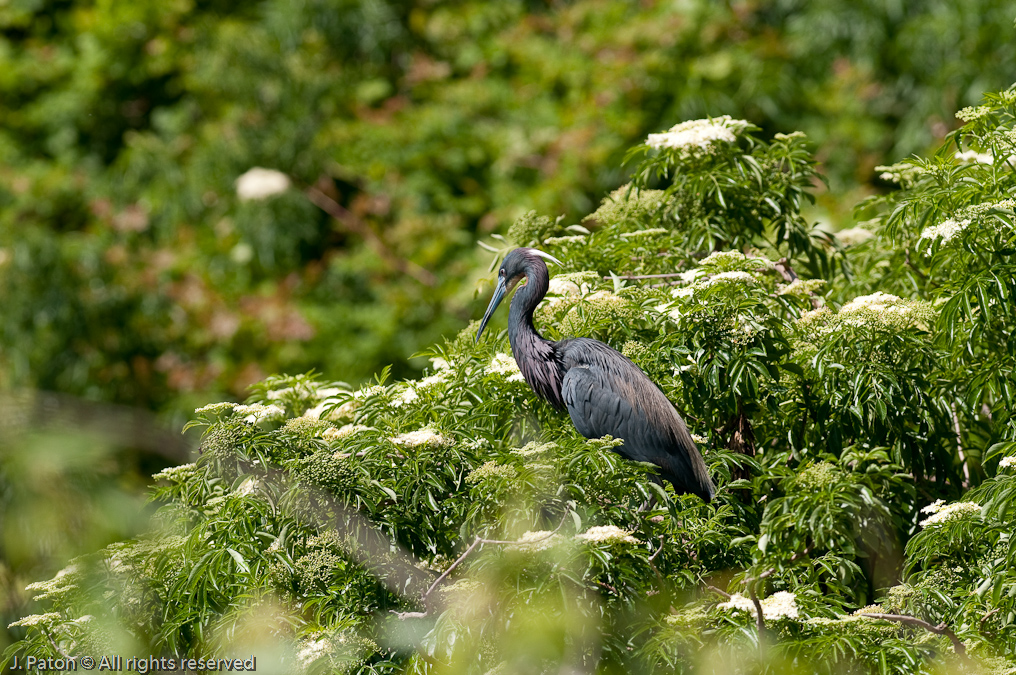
[851, 395]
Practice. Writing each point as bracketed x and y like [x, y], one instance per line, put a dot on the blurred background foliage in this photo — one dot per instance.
[132, 272]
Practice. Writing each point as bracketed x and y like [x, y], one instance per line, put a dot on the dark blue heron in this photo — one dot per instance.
[602, 390]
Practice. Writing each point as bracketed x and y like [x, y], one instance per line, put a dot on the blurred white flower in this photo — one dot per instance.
[421, 437]
[1007, 462]
[854, 236]
[215, 407]
[440, 363]
[406, 396]
[782, 604]
[37, 620]
[259, 183]
[312, 650]
[255, 412]
[974, 157]
[537, 541]
[607, 534]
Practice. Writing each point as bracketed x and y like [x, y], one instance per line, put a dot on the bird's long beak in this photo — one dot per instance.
[499, 293]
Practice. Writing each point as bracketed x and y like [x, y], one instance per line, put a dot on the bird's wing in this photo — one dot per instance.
[608, 394]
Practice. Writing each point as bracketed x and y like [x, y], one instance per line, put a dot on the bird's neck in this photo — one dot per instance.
[521, 331]
[534, 354]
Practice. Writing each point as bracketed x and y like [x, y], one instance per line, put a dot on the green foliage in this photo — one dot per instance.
[133, 271]
[456, 523]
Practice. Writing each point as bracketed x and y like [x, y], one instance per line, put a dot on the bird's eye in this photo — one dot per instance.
[501, 273]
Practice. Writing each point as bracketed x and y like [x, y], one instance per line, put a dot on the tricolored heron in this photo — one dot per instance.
[602, 390]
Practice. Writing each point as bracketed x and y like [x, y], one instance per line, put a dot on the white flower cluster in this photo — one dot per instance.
[406, 396]
[422, 438]
[701, 440]
[607, 534]
[562, 286]
[62, 583]
[974, 157]
[437, 379]
[731, 278]
[256, 412]
[638, 234]
[367, 392]
[723, 261]
[312, 650]
[697, 138]
[945, 230]
[37, 620]
[566, 240]
[261, 183]
[1008, 462]
[504, 365]
[945, 512]
[176, 474]
[345, 431]
[853, 236]
[780, 605]
[534, 449]
[903, 173]
[215, 408]
[883, 310]
[801, 288]
[537, 541]
[491, 471]
[970, 113]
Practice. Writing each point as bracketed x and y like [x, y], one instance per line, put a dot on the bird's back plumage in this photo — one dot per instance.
[605, 393]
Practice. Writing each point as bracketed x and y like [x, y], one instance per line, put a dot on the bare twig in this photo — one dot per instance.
[940, 629]
[448, 571]
[760, 620]
[351, 222]
[634, 277]
[608, 587]
[716, 590]
[988, 616]
[478, 542]
[55, 645]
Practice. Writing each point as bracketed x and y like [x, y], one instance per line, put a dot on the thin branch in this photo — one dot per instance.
[608, 587]
[351, 222]
[448, 571]
[988, 616]
[716, 590]
[940, 629]
[55, 645]
[760, 620]
[479, 541]
[959, 446]
[634, 277]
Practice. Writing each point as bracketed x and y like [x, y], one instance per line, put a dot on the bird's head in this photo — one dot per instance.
[518, 264]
